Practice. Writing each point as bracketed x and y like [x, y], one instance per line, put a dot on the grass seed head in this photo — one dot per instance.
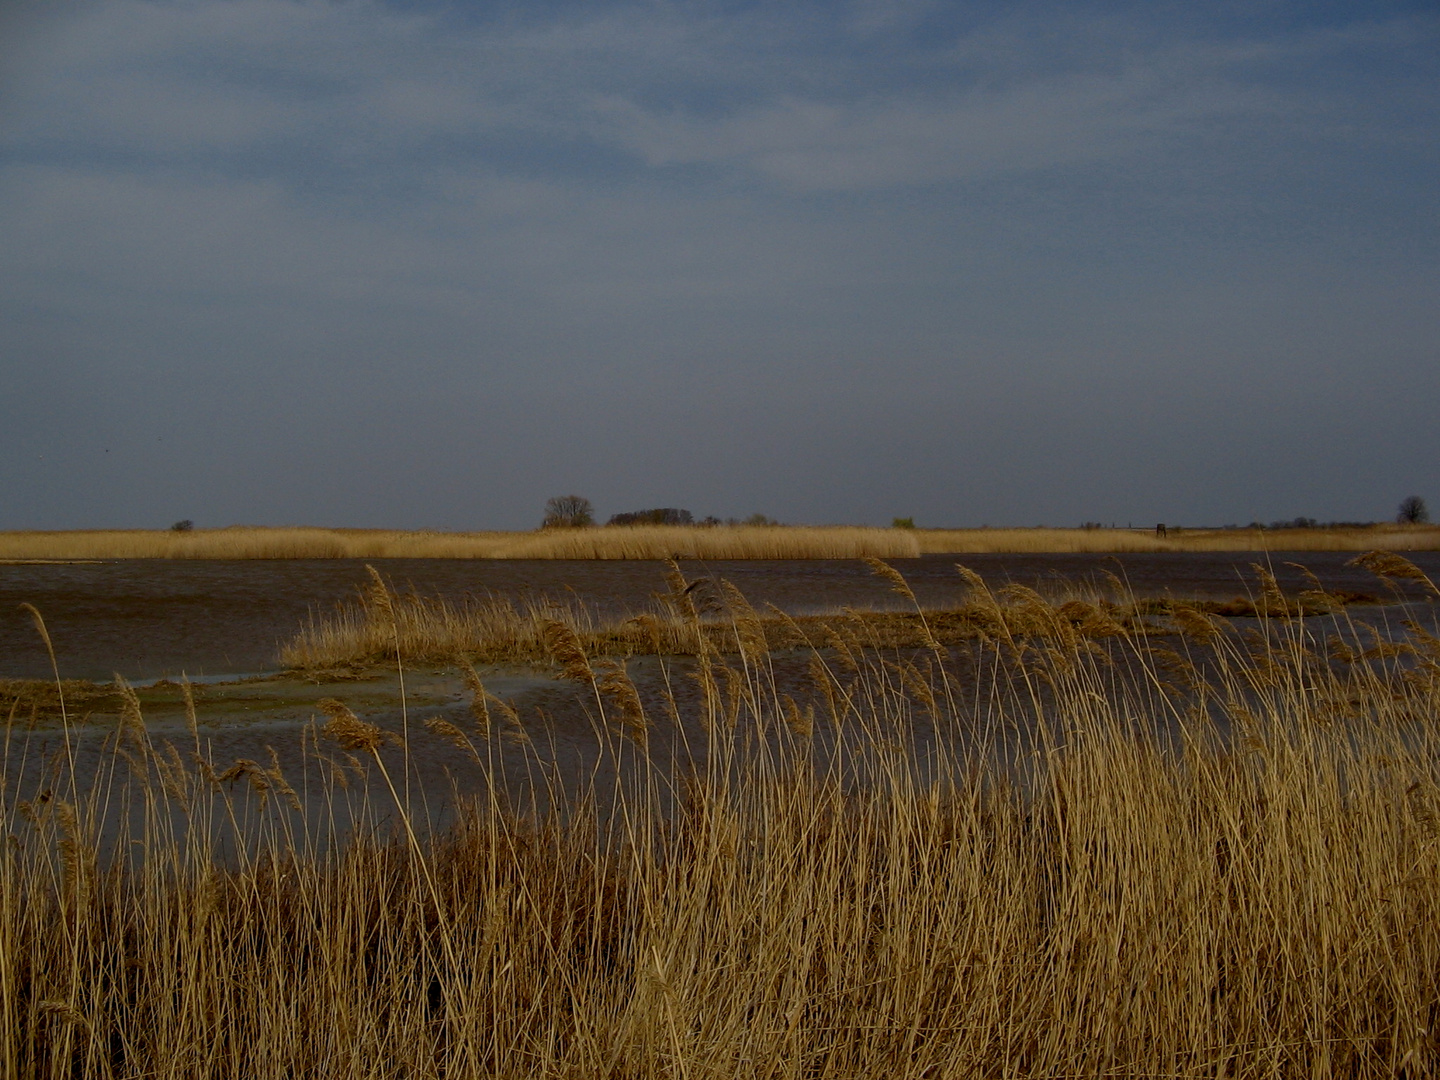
[438, 725]
[349, 730]
[479, 704]
[616, 684]
[896, 580]
[1386, 564]
[565, 649]
[1195, 624]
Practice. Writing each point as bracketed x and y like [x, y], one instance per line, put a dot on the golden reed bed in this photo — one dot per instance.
[1109, 855]
[662, 542]
[371, 629]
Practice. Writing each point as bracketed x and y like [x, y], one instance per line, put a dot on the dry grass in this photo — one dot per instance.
[1075, 861]
[642, 542]
[973, 541]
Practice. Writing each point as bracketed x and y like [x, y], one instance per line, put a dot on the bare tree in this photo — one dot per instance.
[1412, 511]
[568, 512]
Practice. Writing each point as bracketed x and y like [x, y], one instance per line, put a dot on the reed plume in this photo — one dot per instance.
[349, 730]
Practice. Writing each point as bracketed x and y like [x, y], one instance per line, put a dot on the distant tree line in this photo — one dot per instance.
[1308, 523]
[670, 515]
[664, 515]
[1412, 511]
[577, 512]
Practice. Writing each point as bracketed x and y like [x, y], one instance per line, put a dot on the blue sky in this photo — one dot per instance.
[428, 264]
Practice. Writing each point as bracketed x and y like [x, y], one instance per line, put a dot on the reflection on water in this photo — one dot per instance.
[147, 618]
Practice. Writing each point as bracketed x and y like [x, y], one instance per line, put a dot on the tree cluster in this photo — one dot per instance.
[576, 512]
[568, 512]
[664, 515]
[1412, 511]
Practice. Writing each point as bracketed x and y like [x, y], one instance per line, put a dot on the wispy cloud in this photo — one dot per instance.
[816, 145]
[823, 230]
[362, 84]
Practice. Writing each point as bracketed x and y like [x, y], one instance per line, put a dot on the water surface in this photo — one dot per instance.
[151, 618]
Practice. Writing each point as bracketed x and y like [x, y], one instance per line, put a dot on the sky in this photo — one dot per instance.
[425, 264]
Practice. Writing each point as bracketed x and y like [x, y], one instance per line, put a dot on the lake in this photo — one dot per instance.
[151, 618]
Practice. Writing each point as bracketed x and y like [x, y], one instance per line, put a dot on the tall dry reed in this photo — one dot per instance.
[1059, 852]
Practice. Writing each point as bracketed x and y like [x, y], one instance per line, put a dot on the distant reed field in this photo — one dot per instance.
[1066, 847]
[631, 542]
[718, 542]
[247, 543]
[974, 541]
[663, 542]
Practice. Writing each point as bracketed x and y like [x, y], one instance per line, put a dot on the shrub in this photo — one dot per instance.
[903, 523]
[1412, 511]
[184, 525]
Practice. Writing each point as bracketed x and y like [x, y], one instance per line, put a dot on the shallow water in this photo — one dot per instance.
[559, 746]
[561, 741]
[151, 618]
